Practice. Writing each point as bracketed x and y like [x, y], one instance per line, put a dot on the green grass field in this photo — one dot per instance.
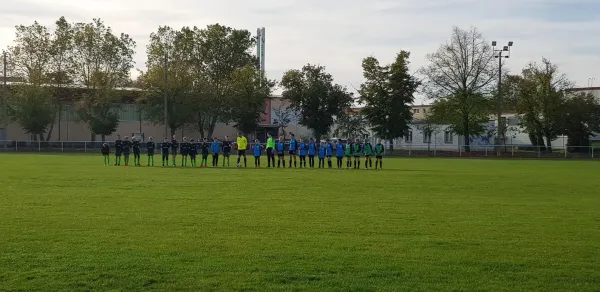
[69, 223]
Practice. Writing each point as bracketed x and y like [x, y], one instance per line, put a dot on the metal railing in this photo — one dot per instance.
[402, 150]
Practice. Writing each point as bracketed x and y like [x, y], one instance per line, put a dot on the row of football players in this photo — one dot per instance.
[302, 152]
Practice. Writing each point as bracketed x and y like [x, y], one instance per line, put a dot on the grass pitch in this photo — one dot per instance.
[69, 223]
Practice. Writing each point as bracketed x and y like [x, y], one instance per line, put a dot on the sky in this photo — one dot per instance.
[339, 34]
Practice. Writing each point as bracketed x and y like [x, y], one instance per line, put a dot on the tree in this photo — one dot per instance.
[580, 120]
[103, 61]
[283, 116]
[388, 92]
[62, 66]
[167, 51]
[461, 75]
[451, 111]
[428, 126]
[33, 109]
[311, 91]
[250, 93]
[30, 60]
[215, 53]
[351, 125]
[540, 101]
[99, 112]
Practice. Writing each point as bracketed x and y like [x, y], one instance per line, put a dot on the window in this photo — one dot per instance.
[408, 137]
[129, 113]
[426, 136]
[416, 110]
[424, 110]
[448, 137]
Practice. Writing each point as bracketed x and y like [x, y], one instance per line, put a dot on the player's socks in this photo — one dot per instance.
[358, 165]
[370, 163]
[294, 163]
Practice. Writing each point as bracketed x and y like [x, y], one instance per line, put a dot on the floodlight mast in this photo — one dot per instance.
[499, 54]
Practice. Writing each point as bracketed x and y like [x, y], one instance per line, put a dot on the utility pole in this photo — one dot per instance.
[166, 93]
[498, 53]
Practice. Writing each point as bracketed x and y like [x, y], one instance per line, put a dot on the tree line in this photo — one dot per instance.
[210, 75]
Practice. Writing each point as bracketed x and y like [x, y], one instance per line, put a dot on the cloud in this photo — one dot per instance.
[338, 34]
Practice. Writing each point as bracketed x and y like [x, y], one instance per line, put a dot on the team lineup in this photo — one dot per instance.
[298, 152]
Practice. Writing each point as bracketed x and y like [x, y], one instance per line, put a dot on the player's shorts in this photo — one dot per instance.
[356, 155]
[368, 155]
[193, 155]
[379, 156]
[118, 153]
[185, 153]
[340, 157]
[226, 154]
[302, 156]
[150, 153]
[292, 152]
[329, 156]
[241, 152]
[280, 154]
[165, 153]
[125, 153]
[311, 156]
[204, 156]
[348, 155]
[173, 151]
[136, 152]
[256, 157]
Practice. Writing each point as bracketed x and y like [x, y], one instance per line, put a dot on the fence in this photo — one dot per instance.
[402, 150]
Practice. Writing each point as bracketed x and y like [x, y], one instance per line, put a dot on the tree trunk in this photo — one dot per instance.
[391, 145]
[50, 131]
[211, 126]
[103, 137]
[548, 144]
[41, 137]
[92, 137]
[467, 134]
[173, 131]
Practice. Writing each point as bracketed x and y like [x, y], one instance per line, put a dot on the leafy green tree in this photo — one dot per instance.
[98, 110]
[102, 61]
[215, 54]
[452, 110]
[540, 101]
[312, 92]
[32, 107]
[351, 125]
[461, 74]
[167, 58]
[62, 67]
[388, 92]
[250, 94]
[30, 60]
[580, 120]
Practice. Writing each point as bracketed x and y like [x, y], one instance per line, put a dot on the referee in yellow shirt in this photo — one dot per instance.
[242, 145]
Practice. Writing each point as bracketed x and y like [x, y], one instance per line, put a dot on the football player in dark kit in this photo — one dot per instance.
[118, 150]
[226, 144]
[205, 147]
[164, 148]
[150, 146]
[193, 151]
[106, 153]
[135, 143]
[185, 150]
[126, 150]
[174, 147]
